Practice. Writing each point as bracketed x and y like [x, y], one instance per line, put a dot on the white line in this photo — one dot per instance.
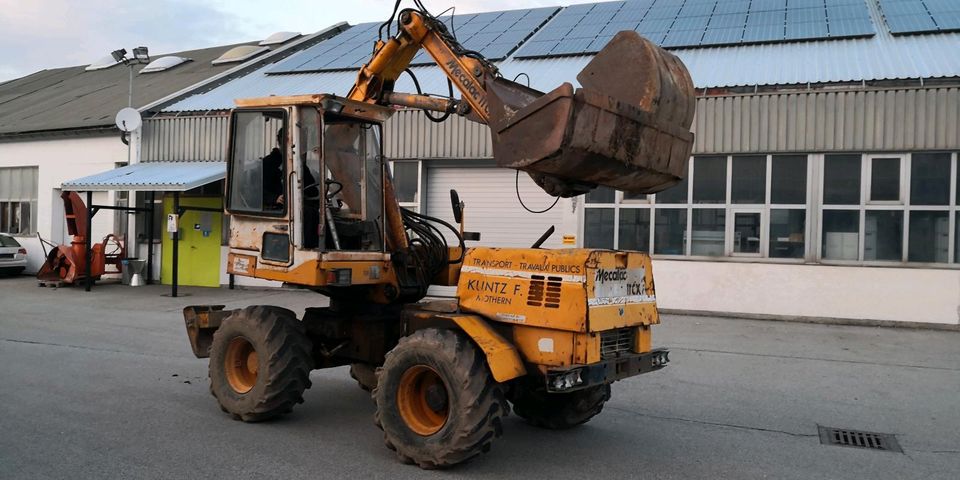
[627, 300]
[520, 274]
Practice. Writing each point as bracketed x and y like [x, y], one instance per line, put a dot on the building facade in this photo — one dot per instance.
[823, 180]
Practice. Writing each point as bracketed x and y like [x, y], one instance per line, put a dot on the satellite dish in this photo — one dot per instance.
[128, 119]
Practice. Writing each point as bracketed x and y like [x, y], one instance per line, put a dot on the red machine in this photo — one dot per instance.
[67, 263]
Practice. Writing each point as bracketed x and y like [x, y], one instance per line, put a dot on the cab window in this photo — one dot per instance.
[258, 162]
[354, 184]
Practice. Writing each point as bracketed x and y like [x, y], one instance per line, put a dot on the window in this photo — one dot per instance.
[601, 195]
[615, 219]
[749, 179]
[598, 228]
[746, 233]
[709, 179]
[788, 179]
[877, 208]
[885, 179]
[18, 200]
[406, 182]
[841, 234]
[841, 179]
[929, 237]
[930, 179]
[708, 232]
[883, 235]
[351, 149]
[787, 231]
[634, 228]
[669, 231]
[143, 201]
[258, 163]
[905, 213]
[675, 194]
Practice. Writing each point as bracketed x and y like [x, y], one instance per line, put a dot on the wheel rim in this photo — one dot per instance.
[422, 400]
[241, 364]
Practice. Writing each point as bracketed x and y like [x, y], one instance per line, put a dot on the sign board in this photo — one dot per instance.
[173, 221]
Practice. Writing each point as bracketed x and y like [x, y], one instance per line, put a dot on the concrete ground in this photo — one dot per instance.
[103, 385]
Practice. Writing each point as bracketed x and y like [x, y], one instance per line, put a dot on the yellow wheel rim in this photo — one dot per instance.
[241, 364]
[422, 400]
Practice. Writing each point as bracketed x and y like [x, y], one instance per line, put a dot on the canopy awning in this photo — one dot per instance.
[151, 177]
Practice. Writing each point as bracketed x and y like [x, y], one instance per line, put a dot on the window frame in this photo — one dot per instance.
[814, 208]
[415, 205]
[28, 200]
[230, 167]
[867, 179]
[904, 205]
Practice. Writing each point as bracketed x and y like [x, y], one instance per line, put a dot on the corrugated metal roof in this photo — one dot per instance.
[153, 176]
[881, 57]
[67, 98]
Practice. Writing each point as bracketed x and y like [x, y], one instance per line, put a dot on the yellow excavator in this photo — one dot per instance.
[312, 204]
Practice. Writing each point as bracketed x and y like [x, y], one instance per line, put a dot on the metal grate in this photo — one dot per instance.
[842, 437]
[535, 294]
[553, 292]
[614, 342]
[544, 292]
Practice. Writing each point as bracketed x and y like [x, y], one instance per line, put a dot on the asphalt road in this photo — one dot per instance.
[103, 385]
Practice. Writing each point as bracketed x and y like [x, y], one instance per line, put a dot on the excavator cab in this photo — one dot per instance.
[306, 178]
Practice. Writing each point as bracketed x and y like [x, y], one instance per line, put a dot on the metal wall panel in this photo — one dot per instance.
[855, 120]
[411, 135]
[185, 139]
[858, 121]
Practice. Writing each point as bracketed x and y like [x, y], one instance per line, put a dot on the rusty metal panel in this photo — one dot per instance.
[904, 119]
[185, 139]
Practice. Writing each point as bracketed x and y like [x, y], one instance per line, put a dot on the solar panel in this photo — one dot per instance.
[920, 16]
[493, 34]
[698, 23]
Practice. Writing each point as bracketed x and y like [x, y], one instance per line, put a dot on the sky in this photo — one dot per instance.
[41, 34]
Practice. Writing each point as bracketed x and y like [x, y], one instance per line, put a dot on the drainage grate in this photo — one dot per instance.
[843, 437]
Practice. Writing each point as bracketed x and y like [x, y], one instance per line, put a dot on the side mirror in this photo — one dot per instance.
[457, 206]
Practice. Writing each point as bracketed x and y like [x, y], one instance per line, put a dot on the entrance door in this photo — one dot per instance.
[746, 233]
[200, 234]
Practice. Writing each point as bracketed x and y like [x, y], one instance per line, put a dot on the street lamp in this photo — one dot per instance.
[119, 55]
[140, 57]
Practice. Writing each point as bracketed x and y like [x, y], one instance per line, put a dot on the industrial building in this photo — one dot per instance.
[823, 182]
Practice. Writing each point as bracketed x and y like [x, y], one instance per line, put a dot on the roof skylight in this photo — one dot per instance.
[104, 63]
[239, 54]
[279, 37]
[163, 63]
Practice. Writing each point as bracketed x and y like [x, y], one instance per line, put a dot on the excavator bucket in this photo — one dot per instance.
[628, 127]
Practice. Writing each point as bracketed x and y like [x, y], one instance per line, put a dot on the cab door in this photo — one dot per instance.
[258, 190]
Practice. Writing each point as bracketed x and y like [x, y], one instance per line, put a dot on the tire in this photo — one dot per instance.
[272, 379]
[365, 375]
[558, 411]
[474, 402]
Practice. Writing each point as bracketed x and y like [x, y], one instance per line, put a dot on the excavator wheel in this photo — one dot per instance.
[365, 375]
[260, 363]
[437, 403]
[557, 411]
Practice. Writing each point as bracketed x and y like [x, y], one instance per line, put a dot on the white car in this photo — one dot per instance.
[13, 257]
